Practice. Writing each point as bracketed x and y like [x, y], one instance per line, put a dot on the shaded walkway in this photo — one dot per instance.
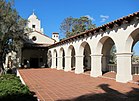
[54, 85]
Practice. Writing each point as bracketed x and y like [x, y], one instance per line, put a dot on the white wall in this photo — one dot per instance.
[121, 37]
[41, 38]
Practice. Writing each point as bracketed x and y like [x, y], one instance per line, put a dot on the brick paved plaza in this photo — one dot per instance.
[57, 85]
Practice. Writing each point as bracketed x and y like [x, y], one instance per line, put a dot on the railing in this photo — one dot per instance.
[112, 68]
[135, 69]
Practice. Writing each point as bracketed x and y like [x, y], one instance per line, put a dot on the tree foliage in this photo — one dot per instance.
[113, 55]
[71, 26]
[11, 28]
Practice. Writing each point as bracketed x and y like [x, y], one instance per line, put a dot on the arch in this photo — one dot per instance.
[101, 43]
[61, 51]
[85, 50]
[82, 46]
[71, 52]
[106, 46]
[62, 55]
[132, 39]
[55, 57]
[70, 48]
[55, 53]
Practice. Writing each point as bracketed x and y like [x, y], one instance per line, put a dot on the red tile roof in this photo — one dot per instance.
[118, 22]
[36, 45]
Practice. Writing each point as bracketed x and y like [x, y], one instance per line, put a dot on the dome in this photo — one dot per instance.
[33, 16]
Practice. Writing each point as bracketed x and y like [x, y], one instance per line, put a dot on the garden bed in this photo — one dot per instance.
[11, 89]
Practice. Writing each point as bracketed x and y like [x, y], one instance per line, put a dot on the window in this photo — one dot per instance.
[33, 26]
[34, 38]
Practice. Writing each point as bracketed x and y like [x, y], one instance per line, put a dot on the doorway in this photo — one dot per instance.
[34, 62]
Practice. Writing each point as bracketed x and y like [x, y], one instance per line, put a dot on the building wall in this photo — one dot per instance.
[122, 36]
[33, 55]
[40, 54]
[40, 38]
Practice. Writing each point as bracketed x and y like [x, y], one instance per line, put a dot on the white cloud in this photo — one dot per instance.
[104, 18]
[91, 18]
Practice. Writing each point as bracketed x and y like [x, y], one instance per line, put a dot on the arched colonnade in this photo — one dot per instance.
[92, 52]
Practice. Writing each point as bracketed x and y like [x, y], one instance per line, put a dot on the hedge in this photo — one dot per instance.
[11, 89]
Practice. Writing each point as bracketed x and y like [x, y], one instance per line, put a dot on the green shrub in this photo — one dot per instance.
[11, 89]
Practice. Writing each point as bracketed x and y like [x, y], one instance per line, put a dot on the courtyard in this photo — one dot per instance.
[57, 85]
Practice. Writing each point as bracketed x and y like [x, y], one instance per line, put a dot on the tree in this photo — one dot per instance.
[71, 26]
[113, 55]
[11, 29]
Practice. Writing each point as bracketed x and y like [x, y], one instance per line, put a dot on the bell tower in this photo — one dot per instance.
[34, 23]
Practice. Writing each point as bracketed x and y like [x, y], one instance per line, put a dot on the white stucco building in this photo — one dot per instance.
[34, 52]
[90, 50]
[87, 51]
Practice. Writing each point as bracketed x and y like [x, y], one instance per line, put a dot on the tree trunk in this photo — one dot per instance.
[1, 64]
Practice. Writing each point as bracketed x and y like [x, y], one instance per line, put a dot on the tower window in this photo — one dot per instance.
[33, 26]
[34, 38]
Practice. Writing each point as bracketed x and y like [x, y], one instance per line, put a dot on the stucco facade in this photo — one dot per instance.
[34, 52]
[92, 49]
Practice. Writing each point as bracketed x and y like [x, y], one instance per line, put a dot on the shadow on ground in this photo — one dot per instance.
[19, 97]
[109, 95]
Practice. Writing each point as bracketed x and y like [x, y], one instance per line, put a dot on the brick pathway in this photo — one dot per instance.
[55, 85]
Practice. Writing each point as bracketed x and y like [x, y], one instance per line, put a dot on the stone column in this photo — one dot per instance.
[53, 62]
[79, 64]
[67, 63]
[96, 65]
[59, 63]
[123, 67]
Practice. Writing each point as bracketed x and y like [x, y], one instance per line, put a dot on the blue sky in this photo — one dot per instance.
[53, 12]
